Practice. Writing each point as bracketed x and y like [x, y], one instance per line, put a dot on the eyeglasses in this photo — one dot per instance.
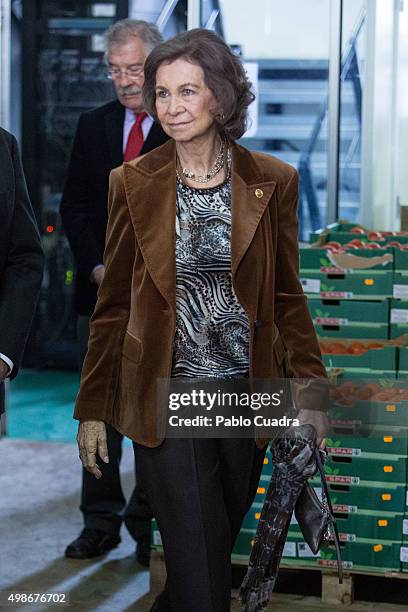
[132, 73]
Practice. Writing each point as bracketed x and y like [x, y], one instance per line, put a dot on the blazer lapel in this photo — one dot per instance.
[250, 196]
[114, 132]
[150, 185]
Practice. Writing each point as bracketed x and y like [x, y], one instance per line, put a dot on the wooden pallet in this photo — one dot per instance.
[332, 593]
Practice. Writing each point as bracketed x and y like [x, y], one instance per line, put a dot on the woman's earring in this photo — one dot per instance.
[221, 116]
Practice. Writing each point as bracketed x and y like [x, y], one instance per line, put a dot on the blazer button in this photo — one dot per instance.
[258, 193]
[258, 323]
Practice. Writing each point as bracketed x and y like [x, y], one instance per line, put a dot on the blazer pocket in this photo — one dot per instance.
[132, 348]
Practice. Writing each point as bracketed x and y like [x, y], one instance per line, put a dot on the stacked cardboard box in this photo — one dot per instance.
[366, 473]
[359, 299]
[357, 291]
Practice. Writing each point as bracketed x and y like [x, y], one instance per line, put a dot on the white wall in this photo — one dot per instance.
[283, 29]
[275, 29]
[383, 102]
[402, 105]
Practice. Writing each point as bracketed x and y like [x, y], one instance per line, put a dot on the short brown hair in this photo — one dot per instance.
[223, 74]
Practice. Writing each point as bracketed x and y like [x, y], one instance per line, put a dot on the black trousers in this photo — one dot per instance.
[199, 492]
[102, 501]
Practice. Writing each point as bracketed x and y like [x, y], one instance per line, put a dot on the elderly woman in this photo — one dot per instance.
[201, 281]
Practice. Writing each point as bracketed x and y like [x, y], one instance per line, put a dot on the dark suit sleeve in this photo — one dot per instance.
[21, 278]
[77, 206]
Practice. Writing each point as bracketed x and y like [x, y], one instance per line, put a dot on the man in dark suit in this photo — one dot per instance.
[105, 137]
[21, 261]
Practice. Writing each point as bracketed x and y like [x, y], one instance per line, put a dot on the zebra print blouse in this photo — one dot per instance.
[212, 329]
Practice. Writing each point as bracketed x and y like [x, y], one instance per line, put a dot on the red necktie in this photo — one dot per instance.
[135, 140]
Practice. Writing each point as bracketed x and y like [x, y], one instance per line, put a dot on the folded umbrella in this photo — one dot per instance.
[294, 463]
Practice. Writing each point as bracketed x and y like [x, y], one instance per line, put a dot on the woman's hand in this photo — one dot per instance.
[320, 422]
[91, 439]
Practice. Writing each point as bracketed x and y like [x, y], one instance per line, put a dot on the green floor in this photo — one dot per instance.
[40, 406]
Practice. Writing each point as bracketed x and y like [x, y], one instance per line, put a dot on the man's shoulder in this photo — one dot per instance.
[98, 114]
[6, 138]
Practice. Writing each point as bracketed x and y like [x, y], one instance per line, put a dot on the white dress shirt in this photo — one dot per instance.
[7, 361]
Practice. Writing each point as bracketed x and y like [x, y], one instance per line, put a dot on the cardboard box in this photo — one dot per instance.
[382, 359]
[350, 318]
[354, 494]
[363, 285]
[359, 374]
[398, 317]
[371, 524]
[320, 259]
[379, 467]
[355, 439]
[340, 231]
[361, 554]
[385, 413]
[368, 524]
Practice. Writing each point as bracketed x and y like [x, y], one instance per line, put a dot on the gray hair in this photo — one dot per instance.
[120, 32]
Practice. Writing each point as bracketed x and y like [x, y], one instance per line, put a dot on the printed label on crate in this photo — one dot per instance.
[289, 550]
[405, 526]
[157, 541]
[346, 537]
[400, 291]
[305, 551]
[343, 479]
[333, 563]
[399, 315]
[345, 422]
[336, 294]
[331, 270]
[333, 450]
[344, 508]
[404, 554]
[331, 321]
[310, 285]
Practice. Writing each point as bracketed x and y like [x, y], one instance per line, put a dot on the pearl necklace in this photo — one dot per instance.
[206, 178]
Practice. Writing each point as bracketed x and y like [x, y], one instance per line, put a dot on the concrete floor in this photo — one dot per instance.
[39, 516]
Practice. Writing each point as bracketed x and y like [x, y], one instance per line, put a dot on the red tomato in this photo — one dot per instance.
[357, 242]
[394, 243]
[373, 245]
[373, 387]
[356, 348]
[357, 230]
[363, 393]
[343, 401]
[385, 395]
[337, 348]
[375, 345]
[350, 245]
[375, 236]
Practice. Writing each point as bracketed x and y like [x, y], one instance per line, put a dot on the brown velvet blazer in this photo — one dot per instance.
[133, 326]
